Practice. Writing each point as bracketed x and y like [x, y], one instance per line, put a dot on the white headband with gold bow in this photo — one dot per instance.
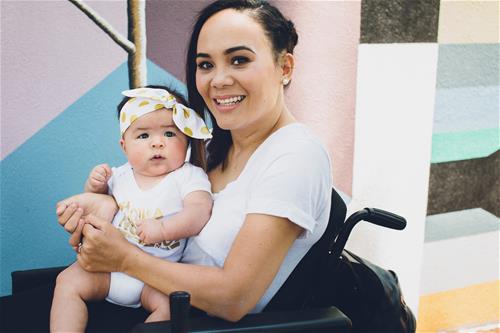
[146, 100]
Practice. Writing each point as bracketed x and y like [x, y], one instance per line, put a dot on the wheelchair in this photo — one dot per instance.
[305, 302]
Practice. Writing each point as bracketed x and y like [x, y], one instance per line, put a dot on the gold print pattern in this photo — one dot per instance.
[127, 225]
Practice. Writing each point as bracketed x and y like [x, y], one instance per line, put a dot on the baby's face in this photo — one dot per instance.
[154, 145]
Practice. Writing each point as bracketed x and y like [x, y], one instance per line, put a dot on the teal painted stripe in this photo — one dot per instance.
[468, 65]
[448, 147]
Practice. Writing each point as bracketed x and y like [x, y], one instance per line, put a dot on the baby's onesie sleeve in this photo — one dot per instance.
[116, 174]
[191, 178]
[295, 184]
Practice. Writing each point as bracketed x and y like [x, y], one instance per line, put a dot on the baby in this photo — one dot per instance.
[162, 199]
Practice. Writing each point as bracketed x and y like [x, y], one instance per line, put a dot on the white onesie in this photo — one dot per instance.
[164, 199]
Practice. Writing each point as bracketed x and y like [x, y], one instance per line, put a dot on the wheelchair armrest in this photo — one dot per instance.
[27, 279]
[311, 320]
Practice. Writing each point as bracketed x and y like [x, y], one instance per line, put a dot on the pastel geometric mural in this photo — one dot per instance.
[404, 93]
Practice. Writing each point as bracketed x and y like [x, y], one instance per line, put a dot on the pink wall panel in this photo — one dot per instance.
[323, 93]
[51, 55]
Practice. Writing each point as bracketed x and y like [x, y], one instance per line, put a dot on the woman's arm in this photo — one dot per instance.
[229, 292]
[197, 207]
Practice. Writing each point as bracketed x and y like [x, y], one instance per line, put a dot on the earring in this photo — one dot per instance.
[285, 81]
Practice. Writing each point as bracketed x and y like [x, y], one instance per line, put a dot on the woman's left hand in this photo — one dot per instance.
[104, 248]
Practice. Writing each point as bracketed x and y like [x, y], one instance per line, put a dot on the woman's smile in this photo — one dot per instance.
[228, 103]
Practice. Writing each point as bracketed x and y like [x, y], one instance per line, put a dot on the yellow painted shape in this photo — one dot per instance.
[470, 21]
[452, 309]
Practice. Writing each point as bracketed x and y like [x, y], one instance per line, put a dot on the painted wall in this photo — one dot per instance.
[86, 70]
[403, 93]
[460, 273]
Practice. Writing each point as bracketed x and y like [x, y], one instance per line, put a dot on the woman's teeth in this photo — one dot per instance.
[229, 101]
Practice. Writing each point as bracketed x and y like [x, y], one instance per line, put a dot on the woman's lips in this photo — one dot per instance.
[228, 103]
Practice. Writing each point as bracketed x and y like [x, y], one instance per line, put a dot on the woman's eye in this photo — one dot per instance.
[239, 60]
[143, 136]
[204, 65]
[169, 134]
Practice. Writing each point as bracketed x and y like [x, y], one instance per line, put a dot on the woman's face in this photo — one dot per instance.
[236, 74]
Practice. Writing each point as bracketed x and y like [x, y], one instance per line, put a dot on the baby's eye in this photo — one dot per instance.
[169, 134]
[240, 60]
[204, 65]
[143, 136]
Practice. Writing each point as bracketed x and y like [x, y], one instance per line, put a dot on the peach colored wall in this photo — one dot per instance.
[323, 93]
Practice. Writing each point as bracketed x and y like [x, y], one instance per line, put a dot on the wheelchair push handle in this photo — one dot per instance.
[385, 218]
[373, 215]
[179, 311]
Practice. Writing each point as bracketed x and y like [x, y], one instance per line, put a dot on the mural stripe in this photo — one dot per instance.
[465, 308]
[459, 262]
[450, 147]
[399, 21]
[466, 109]
[468, 65]
[465, 184]
[458, 224]
[471, 21]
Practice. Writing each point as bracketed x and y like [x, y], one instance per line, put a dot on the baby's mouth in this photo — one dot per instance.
[229, 101]
[157, 157]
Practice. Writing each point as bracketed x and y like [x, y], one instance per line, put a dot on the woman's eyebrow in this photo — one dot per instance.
[238, 48]
[228, 51]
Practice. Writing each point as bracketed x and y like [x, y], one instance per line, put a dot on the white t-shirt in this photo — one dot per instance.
[289, 175]
[164, 199]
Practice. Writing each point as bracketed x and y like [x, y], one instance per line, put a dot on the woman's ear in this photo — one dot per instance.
[287, 66]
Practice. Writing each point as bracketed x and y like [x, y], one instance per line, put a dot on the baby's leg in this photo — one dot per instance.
[74, 286]
[155, 302]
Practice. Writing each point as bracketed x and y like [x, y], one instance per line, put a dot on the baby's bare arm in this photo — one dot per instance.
[197, 208]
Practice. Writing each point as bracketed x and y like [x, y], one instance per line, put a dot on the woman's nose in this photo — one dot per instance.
[221, 79]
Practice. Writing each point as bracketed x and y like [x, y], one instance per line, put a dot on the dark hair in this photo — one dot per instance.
[198, 155]
[282, 35]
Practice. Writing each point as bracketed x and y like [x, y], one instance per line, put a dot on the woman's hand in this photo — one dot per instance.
[104, 248]
[71, 211]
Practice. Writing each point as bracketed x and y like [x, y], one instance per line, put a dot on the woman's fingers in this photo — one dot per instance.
[96, 222]
[70, 217]
[76, 236]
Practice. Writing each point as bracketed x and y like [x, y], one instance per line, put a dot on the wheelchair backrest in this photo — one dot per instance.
[293, 293]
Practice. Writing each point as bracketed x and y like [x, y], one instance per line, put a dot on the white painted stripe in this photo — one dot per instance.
[395, 103]
[460, 262]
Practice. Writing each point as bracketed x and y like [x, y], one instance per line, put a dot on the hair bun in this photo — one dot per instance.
[294, 37]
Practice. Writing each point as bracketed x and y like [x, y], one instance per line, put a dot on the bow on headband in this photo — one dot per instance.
[146, 100]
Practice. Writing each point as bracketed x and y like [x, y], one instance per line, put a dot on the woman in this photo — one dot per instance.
[271, 177]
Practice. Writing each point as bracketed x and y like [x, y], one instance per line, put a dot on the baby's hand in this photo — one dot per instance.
[150, 231]
[98, 179]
